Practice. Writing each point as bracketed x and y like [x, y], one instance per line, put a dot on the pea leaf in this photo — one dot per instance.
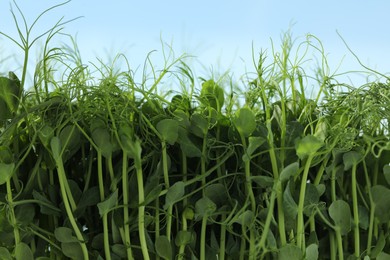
[183, 237]
[290, 252]
[168, 128]
[289, 171]
[380, 196]
[245, 121]
[65, 235]
[204, 207]
[6, 172]
[386, 172]
[5, 254]
[163, 247]
[340, 213]
[23, 252]
[174, 194]
[72, 250]
[105, 206]
[308, 146]
[350, 159]
[312, 252]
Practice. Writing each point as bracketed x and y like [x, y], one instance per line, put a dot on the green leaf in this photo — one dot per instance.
[246, 218]
[88, 198]
[102, 138]
[46, 207]
[245, 121]
[55, 145]
[308, 146]
[289, 171]
[65, 235]
[217, 193]
[383, 256]
[25, 214]
[72, 250]
[380, 196]
[163, 247]
[6, 172]
[212, 94]
[5, 254]
[186, 145]
[10, 94]
[380, 245]
[263, 181]
[312, 252]
[183, 237]
[350, 159]
[105, 206]
[168, 129]
[254, 143]
[199, 125]
[205, 207]
[70, 137]
[289, 204]
[311, 200]
[175, 193]
[386, 172]
[290, 252]
[23, 252]
[340, 213]
[119, 250]
[45, 134]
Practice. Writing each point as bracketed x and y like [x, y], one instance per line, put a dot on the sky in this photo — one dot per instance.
[222, 35]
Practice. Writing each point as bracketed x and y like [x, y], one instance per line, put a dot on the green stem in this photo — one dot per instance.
[62, 181]
[167, 185]
[141, 209]
[355, 211]
[125, 208]
[12, 212]
[300, 221]
[203, 238]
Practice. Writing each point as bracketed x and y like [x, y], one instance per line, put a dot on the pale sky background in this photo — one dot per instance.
[219, 33]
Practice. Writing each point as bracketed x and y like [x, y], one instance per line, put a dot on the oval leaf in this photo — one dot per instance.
[245, 121]
[168, 129]
[340, 212]
[308, 146]
[163, 247]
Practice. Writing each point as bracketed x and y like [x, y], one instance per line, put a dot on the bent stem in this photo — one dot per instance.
[62, 180]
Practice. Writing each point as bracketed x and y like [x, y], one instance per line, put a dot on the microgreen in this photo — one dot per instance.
[108, 168]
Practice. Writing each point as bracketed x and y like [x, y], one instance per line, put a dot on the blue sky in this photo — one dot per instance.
[219, 33]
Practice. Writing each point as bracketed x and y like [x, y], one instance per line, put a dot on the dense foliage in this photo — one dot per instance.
[113, 169]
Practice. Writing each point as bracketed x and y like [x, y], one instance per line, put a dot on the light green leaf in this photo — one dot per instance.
[312, 252]
[72, 250]
[245, 121]
[56, 147]
[386, 172]
[183, 237]
[308, 146]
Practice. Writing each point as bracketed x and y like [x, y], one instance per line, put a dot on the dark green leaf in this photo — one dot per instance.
[183, 237]
[72, 250]
[108, 204]
[47, 207]
[217, 193]
[64, 235]
[163, 247]
[263, 181]
[25, 214]
[290, 170]
[340, 213]
[23, 252]
[119, 250]
[6, 172]
[350, 159]
[168, 129]
[246, 218]
[204, 207]
[386, 172]
[55, 145]
[175, 193]
[380, 196]
[290, 252]
[5, 254]
[199, 125]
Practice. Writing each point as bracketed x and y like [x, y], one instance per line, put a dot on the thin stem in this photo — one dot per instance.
[125, 204]
[355, 211]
